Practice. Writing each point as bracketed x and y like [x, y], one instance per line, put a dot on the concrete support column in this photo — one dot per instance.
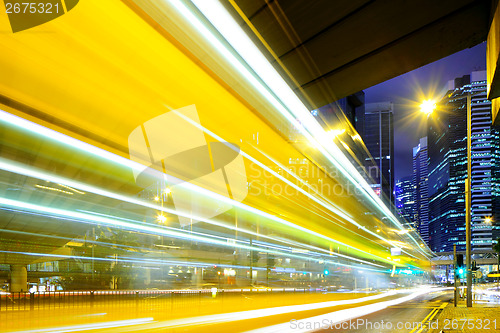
[18, 278]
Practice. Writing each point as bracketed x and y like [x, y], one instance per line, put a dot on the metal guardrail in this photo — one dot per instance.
[25, 301]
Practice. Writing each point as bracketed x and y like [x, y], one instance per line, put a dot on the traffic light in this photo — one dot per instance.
[460, 260]
[326, 272]
[460, 266]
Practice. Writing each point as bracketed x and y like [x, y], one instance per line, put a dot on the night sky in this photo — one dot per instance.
[407, 90]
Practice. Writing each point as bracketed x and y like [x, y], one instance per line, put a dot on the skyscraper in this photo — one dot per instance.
[403, 195]
[350, 109]
[420, 181]
[484, 150]
[447, 149]
[346, 116]
[379, 139]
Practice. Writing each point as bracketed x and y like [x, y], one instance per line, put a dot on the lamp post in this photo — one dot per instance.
[161, 197]
[428, 107]
[468, 230]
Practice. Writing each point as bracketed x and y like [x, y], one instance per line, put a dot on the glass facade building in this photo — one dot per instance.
[404, 197]
[447, 149]
[379, 139]
[420, 181]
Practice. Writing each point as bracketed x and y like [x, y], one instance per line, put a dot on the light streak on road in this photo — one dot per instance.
[88, 327]
[85, 147]
[337, 316]
[276, 91]
[30, 172]
[260, 313]
[287, 249]
[281, 248]
[151, 229]
[341, 315]
[324, 202]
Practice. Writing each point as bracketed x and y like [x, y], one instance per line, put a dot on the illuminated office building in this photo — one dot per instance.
[420, 181]
[379, 139]
[447, 149]
[404, 198]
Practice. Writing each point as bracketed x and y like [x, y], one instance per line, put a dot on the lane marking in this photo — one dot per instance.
[88, 327]
[424, 320]
[428, 319]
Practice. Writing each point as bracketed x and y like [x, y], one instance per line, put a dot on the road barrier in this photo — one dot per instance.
[25, 301]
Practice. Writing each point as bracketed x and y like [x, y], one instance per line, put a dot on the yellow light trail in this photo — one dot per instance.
[288, 105]
[154, 230]
[9, 166]
[84, 147]
[322, 201]
[137, 85]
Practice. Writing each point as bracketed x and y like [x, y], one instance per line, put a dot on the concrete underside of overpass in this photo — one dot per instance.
[330, 49]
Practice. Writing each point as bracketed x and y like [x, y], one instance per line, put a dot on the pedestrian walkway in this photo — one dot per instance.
[482, 317]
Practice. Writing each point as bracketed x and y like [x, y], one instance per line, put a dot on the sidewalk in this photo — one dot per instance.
[482, 317]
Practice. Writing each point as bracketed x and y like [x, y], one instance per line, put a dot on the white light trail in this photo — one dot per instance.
[267, 312]
[289, 105]
[151, 229]
[88, 327]
[260, 313]
[338, 316]
[30, 172]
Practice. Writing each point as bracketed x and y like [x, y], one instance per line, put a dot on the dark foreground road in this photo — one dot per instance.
[413, 316]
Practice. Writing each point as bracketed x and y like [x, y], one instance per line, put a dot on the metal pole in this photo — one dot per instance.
[455, 275]
[93, 246]
[251, 263]
[468, 241]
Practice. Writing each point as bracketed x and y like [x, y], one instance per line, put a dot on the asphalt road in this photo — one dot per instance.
[262, 313]
[411, 316]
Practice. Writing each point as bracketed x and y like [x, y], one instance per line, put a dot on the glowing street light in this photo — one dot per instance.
[428, 106]
[167, 191]
[487, 220]
[161, 218]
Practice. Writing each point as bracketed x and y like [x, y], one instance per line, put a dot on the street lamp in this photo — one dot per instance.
[468, 194]
[428, 106]
[161, 218]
